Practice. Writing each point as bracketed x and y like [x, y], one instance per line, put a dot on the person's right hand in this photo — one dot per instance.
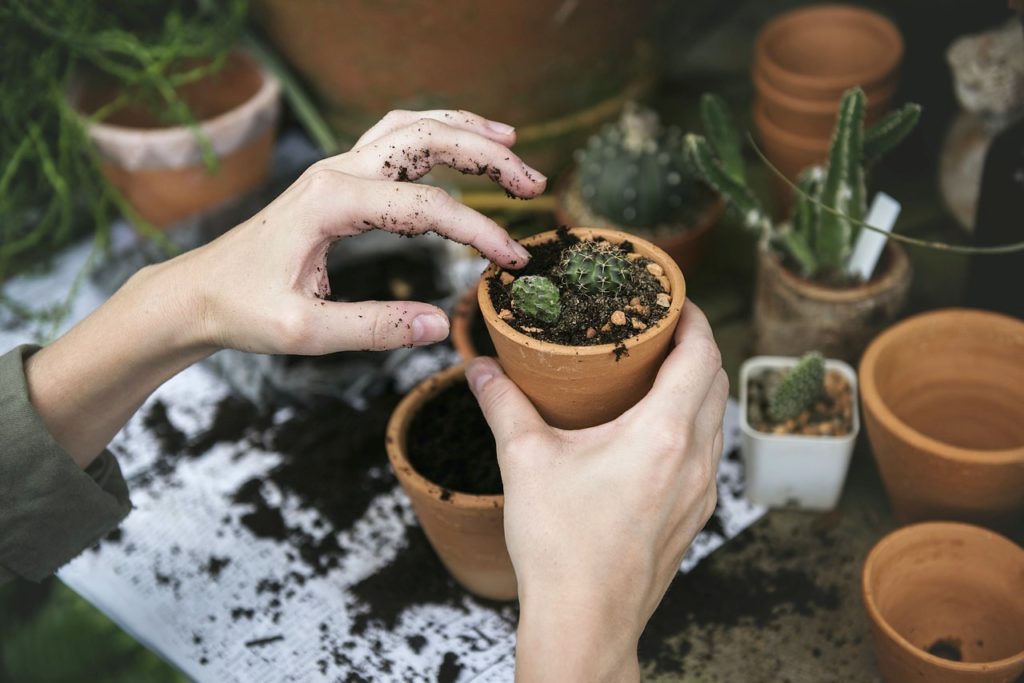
[597, 520]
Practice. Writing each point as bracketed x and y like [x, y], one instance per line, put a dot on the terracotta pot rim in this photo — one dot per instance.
[805, 143]
[672, 272]
[882, 92]
[876, 617]
[462, 323]
[398, 425]
[883, 66]
[898, 264]
[872, 398]
[269, 90]
[566, 186]
[835, 364]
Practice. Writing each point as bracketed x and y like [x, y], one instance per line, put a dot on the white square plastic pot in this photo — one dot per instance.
[784, 470]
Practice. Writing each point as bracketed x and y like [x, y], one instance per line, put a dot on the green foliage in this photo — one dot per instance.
[634, 172]
[51, 188]
[594, 267]
[799, 389]
[830, 203]
[537, 297]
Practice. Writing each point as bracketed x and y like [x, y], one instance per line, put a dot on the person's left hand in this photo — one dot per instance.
[263, 286]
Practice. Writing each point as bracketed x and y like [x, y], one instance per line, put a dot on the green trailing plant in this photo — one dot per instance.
[537, 297]
[51, 187]
[594, 267]
[799, 388]
[830, 202]
[634, 171]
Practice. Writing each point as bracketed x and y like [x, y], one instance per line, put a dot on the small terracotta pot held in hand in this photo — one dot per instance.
[581, 386]
[815, 53]
[467, 531]
[943, 396]
[950, 588]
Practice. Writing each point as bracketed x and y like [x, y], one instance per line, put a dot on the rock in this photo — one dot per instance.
[618, 318]
[591, 333]
[637, 324]
[666, 286]
[505, 314]
[533, 330]
[663, 300]
[507, 278]
[655, 270]
[606, 328]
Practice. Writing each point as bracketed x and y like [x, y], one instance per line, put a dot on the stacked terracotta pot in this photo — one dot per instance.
[803, 61]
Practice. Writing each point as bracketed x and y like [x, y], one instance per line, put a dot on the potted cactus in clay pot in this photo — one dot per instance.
[633, 176]
[584, 327]
[799, 421]
[809, 294]
[444, 456]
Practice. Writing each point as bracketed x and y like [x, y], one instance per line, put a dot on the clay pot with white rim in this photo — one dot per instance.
[793, 315]
[574, 387]
[943, 396]
[466, 530]
[160, 169]
[946, 604]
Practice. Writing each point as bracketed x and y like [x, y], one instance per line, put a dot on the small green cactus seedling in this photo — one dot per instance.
[595, 267]
[537, 297]
[799, 389]
[832, 201]
[634, 172]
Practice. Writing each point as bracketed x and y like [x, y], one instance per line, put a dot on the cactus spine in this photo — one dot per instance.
[799, 389]
[536, 297]
[634, 172]
[594, 267]
[820, 233]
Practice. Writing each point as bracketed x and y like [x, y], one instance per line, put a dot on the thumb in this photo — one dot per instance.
[505, 407]
[378, 325]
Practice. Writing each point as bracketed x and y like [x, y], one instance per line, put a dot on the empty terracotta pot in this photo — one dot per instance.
[946, 605]
[789, 153]
[943, 397]
[160, 170]
[581, 386]
[815, 53]
[686, 244]
[793, 315]
[814, 118]
[467, 531]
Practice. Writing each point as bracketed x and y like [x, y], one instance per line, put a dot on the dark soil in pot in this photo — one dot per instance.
[830, 415]
[586, 319]
[450, 444]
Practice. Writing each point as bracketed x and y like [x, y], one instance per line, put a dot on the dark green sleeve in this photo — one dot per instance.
[50, 509]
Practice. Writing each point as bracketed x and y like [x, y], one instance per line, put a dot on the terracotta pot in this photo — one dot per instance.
[581, 386]
[793, 315]
[789, 153]
[554, 72]
[159, 169]
[814, 118]
[686, 244]
[468, 331]
[815, 53]
[943, 398]
[947, 587]
[467, 531]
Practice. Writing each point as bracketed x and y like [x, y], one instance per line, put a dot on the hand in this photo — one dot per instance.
[262, 286]
[597, 520]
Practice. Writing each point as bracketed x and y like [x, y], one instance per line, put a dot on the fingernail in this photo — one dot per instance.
[520, 252]
[535, 175]
[501, 128]
[429, 328]
[479, 372]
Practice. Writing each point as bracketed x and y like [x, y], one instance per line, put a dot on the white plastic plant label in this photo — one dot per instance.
[883, 214]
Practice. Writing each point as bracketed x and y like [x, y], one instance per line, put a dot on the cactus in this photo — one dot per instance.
[634, 172]
[799, 389]
[831, 201]
[536, 297]
[594, 267]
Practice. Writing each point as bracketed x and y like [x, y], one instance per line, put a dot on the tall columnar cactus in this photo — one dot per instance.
[536, 297]
[799, 389]
[831, 201]
[634, 172]
[594, 267]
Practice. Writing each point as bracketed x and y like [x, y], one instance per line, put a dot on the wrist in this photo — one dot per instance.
[571, 635]
[170, 303]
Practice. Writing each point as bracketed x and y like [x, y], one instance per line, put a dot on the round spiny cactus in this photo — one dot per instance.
[800, 388]
[594, 267]
[536, 297]
[634, 172]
